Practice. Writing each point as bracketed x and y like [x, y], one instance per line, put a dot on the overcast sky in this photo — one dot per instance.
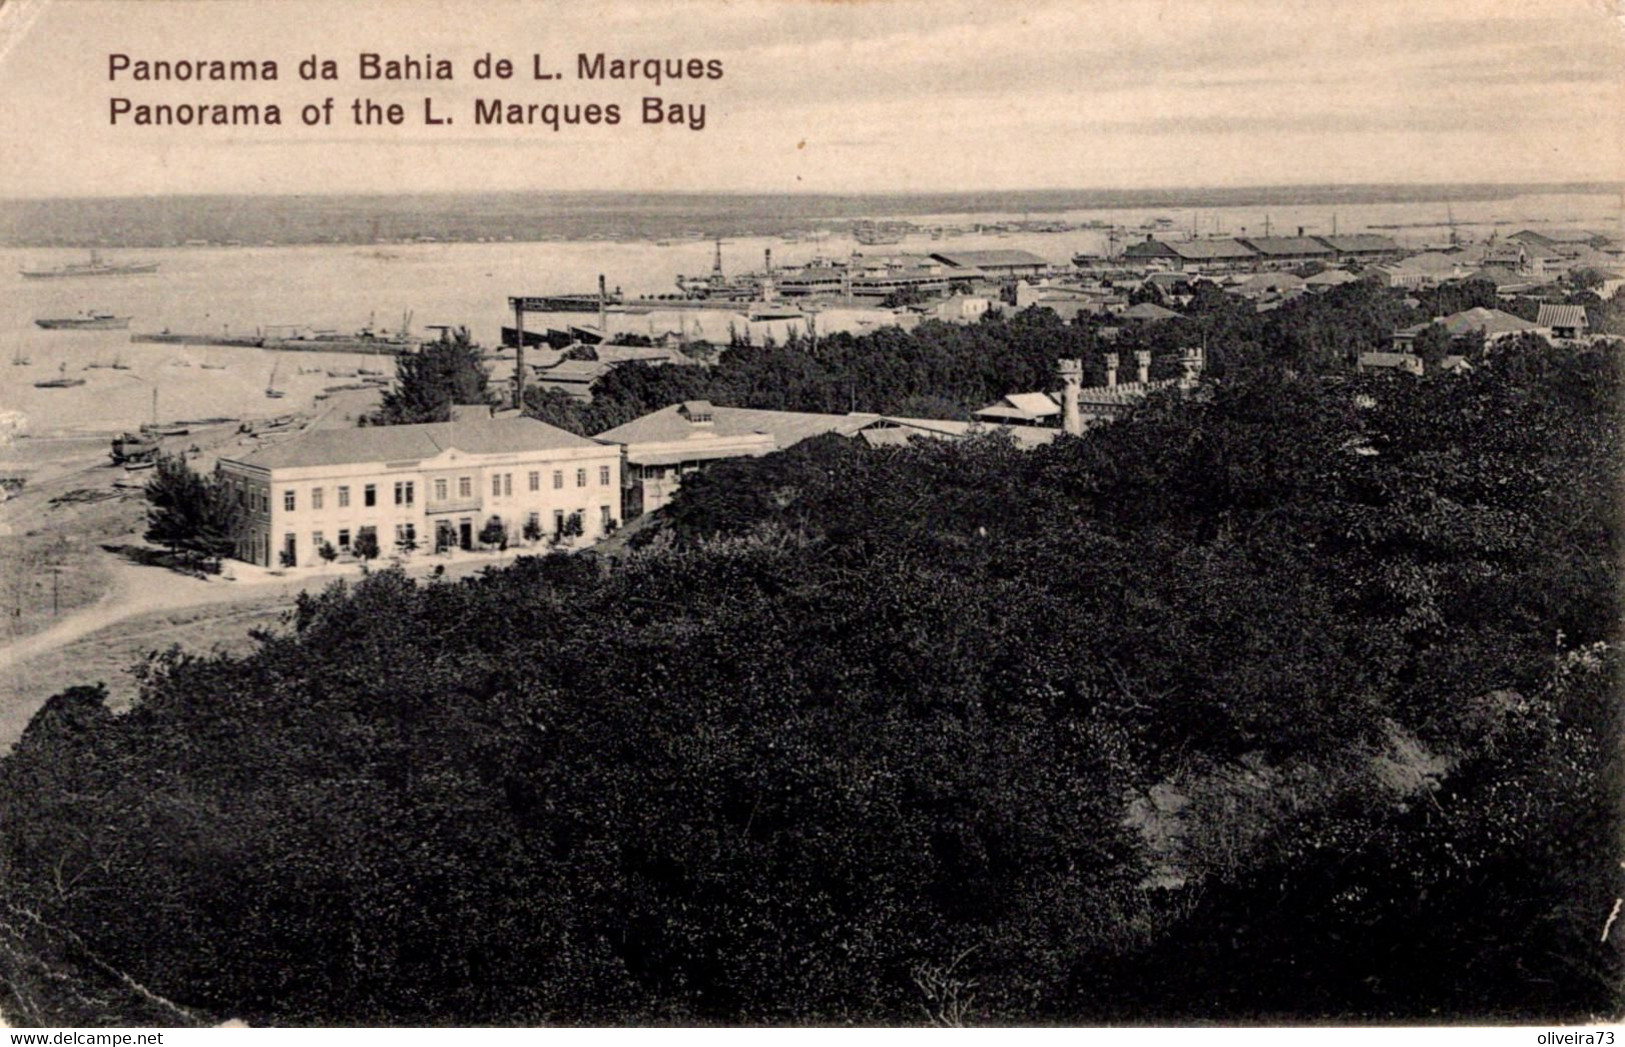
[842, 97]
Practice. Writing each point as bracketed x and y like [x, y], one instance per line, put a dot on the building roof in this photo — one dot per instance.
[1270, 282]
[1331, 278]
[1435, 262]
[1489, 321]
[1148, 311]
[1507, 279]
[890, 432]
[1559, 236]
[1287, 246]
[1561, 315]
[669, 424]
[411, 443]
[1190, 250]
[1359, 243]
[1403, 361]
[585, 371]
[1024, 407]
[989, 259]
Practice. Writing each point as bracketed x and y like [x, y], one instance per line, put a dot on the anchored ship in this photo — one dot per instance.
[872, 233]
[94, 267]
[62, 381]
[87, 321]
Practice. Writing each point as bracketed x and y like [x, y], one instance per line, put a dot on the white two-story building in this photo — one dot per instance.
[433, 486]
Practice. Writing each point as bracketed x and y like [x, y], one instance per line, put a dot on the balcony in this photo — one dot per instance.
[452, 505]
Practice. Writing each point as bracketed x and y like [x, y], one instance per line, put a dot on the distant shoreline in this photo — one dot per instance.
[238, 220]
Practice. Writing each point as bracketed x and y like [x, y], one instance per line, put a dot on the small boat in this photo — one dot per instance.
[87, 321]
[131, 467]
[213, 367]
[270, 385]
[95, 267]
[61, 381]
[18, 359]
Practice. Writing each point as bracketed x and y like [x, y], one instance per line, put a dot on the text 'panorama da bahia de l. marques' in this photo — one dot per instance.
[370, 67]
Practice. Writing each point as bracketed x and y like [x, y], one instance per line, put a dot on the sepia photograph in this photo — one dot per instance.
[796, 514]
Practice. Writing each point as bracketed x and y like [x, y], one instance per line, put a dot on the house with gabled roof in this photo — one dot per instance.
[1566, 321]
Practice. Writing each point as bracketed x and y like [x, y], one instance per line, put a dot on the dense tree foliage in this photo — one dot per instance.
[194, 515]
[860, 735]
[428, 382]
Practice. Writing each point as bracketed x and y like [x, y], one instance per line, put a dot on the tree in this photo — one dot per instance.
[428, 382]
[327, 552]
[572, 526]
[495, 532]
[1432, 343]
[533, 530]
[366, 546]
[191, 514]
[407, 544]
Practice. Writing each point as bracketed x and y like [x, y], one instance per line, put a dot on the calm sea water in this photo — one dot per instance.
[344, 287]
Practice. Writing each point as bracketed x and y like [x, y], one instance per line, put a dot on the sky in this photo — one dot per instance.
[818, 96]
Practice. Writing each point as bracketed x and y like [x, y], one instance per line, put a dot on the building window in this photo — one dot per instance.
[404, 492]
[315, 497]
[605, 518]
[507, 484]
[533, 523]
[581, 477]
[465, 487]
[558, 521]
[535, 481]
[287, 501]
[369, 495]
[344, 535]
[440, 490]
[406, 535]
[496, 485]
[344, 497]
[558, 479]
[603, 476]
[316, 540]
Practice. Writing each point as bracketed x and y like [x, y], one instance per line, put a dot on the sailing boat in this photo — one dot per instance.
[17, 357]
[270, 385]
[152, 428]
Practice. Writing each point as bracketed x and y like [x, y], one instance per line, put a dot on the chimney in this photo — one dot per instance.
[1111, 370]
[1071, 372]
[1142, 363]
[603, 304]
[518, 353]
[1300, 230]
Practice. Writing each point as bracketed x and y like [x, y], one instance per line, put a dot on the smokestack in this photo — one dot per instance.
[603, 305]
[1071, 372]
[518, 353]
[1142, 361]
[1111, 370]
